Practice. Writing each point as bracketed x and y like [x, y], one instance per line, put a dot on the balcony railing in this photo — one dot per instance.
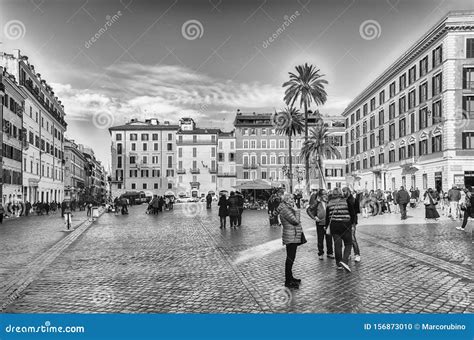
[408, 162]
[212, 171]
[195, 171]
[227, 174]
[181, 171]
[250, 166]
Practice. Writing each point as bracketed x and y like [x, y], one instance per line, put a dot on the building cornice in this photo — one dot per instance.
[452, 22]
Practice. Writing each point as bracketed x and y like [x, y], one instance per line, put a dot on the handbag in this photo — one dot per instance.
[427, 200]
[303, 238]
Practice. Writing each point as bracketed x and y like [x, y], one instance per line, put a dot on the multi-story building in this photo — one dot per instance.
[197, 158]
[74, 170]
[262, 153]
[12, 136]
[143, 157]
[414, 126]
[95, 179]
[334, 166]
[44, 124]
[226, 172]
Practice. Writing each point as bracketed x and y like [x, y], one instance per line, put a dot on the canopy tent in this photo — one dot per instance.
[254, 185]
[169, 193]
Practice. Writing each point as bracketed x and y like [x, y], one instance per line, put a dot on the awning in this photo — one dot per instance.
[254, 185]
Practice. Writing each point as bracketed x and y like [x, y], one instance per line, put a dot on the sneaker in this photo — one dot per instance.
[345, 266]
[459, 228]
[295, 280]
[339, 267]
[357, 258]
[331, 256]
[321, 257]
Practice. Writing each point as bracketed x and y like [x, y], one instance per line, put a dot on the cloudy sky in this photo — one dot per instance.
[110, 61]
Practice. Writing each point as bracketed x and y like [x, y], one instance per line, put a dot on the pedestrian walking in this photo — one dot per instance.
[292, 237]
[467, 207]
[240, 199]
[2, 213]
[339, 219]
[430, 206]
[161, 203]
[396, 208]
[233, 208]
[208, 201]
[454, 196]
[317, 212]
[223, 211]
[27, 208]
[402, 199]
[67, 215]
[353, 203]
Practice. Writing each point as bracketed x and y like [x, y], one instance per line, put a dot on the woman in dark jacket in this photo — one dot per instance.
[430, 205]
[223, 212]
[291, 236]
[233, 208]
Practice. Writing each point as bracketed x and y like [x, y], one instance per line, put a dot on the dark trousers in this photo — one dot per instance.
[223, 221]
[208, 205]
[339, 239]
[239, 218]
[233, 221]
[355, 245]
[467, 214]
[321, 230]
[290, 259]
[403, 210]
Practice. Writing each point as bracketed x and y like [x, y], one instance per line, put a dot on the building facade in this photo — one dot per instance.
[197, 159]
[226, 171]
[143, 157]
[13, 138]
[413, 126]
[44, 125]
[95, 179]
[74, 170]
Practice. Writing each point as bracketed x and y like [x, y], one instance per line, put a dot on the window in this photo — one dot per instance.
[438, 56]
[154, 136]
[155, 185]
[372, 122]
[213, 152]
[132, 159]
[402, 128]
[264, 144]
[468, 107]
[402, 82]
[357, 131]
[391, 156]
[381, 117]
[194, 152]
[437, 83]
[358, 115]
[468, 140]
[468, 78]
[145, 160]
[169, 146]
[195, 139]
[391, 111]
[372, 104]
[253, 144]
[402, 105]
[246, 144]
[231, 157]
[352, 119]
[423, 118]
[264, 132]
[281, 144]
[391, 132]
[392, 89]
[372, 161]
[437, 144]
[246, 175]
[263, 159]
[133, 147]
[423, 147]
[365, 109]
[364, 163]
[411, 99]
[412, 150]
[357, 147]
[381, 158]
[412, 75]
[381, 97]
[170, 136]
[118, 136]
[423, 92]
[133, 136]
[424, 66]
[412, 123]
[144, 147]
[437, 113]
[144, 136]
[134, 186]
[119, 162]
[372, 140]
[402, 153]
[381, 136]
[364, 128]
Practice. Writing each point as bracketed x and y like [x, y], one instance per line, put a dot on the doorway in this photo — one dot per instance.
[438, 181]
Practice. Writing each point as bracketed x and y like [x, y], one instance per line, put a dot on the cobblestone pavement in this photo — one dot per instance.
[181, 262]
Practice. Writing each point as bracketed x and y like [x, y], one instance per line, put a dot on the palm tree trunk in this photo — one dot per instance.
[290, 164]
[321, 179]
[306, 164]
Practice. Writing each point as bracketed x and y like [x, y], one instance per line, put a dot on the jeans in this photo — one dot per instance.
[467, 214]
[233, 221]
[239, 218]
[339, 239]
[355, 245]
[321, 230]
[223, 221]
[290, 259]
[454, 209]
[403, 210]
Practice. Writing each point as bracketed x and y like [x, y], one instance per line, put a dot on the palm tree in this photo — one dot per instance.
[289, 122]
[317, 147]
[307, 85]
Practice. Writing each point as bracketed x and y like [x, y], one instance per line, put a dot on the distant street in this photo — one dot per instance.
[180, 261]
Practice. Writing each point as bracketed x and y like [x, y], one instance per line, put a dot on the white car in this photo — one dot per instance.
[184, 199]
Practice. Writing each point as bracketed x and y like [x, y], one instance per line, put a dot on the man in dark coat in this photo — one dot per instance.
[403, 197]
[208, 201]
[240, 200]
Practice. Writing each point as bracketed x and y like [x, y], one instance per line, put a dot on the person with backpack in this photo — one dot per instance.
[339, 219]
[317, 212]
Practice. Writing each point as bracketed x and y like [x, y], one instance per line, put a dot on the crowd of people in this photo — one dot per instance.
[232, 207]
[158, 203]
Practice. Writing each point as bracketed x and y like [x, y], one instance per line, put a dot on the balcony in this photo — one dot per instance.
[227, 174]
[408, 162]
[199, 142]
[250, 166]
[213, 171]
[195, 171]
[181, 171]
